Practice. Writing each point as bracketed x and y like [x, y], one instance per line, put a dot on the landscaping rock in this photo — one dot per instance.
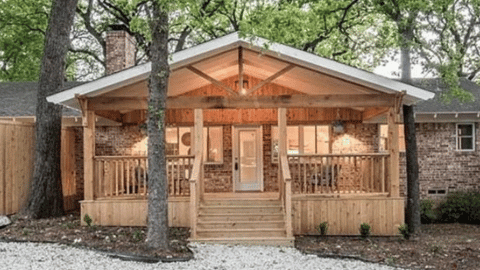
[4, 221]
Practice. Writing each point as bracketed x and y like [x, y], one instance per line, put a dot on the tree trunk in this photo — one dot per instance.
[412, 216]
[157, 236]
[413, 187]
[46, 198]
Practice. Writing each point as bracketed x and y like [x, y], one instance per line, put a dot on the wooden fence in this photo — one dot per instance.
[16, 165]
[17, 149]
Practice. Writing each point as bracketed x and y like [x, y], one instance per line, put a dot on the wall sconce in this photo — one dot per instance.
[244, 88]
[338, 127]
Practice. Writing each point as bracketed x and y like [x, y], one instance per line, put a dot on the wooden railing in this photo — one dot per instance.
[286, 193]
[127, 175]
[339, 173]
[195, 192]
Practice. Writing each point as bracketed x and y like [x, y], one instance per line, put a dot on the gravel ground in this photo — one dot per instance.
[53, 256]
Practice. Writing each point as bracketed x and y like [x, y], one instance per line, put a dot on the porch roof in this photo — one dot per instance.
[219, 59]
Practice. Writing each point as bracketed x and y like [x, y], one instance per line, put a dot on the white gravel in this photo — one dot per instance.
[219, 257]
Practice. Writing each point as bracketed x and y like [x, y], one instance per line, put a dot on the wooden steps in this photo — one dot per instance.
[254, 222]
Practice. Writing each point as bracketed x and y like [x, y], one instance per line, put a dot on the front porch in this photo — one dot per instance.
[261, 144]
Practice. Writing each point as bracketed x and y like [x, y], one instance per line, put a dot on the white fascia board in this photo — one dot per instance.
[339, 70]
[102, 85]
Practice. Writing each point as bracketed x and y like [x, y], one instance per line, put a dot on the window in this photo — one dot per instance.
[465, 137]
[178, 141]
[303, 140]
[384, 138]
[213, 145]
[441, 192]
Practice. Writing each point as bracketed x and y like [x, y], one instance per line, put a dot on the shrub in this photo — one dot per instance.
[322, 228]
[403, 229]
[88, 220]
[462, 207]
[427, 212]
[365, 230]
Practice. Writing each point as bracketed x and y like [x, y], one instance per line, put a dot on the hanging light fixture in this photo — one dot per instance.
[242, 90]
[337, 125]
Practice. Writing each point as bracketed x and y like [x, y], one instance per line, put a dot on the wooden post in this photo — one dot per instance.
[394, 153]
[89, 153]
[282, 131]
[198, 131]
[196, 187]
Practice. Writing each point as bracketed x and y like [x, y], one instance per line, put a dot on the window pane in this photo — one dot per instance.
[466, 143]
[323, 139]
[185, 141]
[309, 139]
[292, 140]
[274, 144]
[213, 144]
[171, 137]
[465, 130]
[383, 137]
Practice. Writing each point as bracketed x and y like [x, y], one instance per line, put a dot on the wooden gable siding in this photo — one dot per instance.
[270, 89]
[257, 116]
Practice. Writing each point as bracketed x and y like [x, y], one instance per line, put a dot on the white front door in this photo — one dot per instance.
[247, 158]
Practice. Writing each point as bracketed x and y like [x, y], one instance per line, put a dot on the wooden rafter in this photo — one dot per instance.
[373, 112]
[240, 69]
[212, 80]
[270, 79]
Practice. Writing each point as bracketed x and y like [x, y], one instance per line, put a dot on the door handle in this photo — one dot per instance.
[236, 166]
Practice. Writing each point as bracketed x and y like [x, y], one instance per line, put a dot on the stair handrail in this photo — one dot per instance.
[286, 179]
[195, 192]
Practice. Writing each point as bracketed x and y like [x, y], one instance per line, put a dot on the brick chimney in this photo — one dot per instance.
[120, 47]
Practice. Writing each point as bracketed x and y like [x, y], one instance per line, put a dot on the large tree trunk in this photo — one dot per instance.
[157, 235]
[413, 187]
[46, 198]
[412, 216]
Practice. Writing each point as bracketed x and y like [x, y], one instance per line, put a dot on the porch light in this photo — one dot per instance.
[338, 127]
[244, 88]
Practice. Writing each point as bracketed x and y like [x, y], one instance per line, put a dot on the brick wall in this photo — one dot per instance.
[441, 165]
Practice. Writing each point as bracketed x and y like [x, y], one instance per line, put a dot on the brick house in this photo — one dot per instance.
[261, 143]
[322, 144]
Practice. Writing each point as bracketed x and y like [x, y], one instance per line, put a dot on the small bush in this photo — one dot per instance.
[462, 207]
[427, 212]
[137, 235]
[403, 229]
[88, 220]
[365, 230]
[322, 228]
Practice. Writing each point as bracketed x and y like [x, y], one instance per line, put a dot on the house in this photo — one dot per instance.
[261, 143]
[448, 141]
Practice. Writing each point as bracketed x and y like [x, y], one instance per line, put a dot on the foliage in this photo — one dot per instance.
[322, 228]
[365, 230]
[462, 207]
[88, 220]
[403, 230]
[22, 33]
[138, 235]
[428, 213]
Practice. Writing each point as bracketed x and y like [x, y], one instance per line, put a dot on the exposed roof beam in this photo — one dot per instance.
[212, 80]
[270, 79]
[373, 112]
[290, 101]
[240, 69]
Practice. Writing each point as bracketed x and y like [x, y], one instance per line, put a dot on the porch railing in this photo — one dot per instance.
[127, 175]
[339, 173]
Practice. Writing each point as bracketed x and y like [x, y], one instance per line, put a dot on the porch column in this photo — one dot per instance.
[282, 131]
[88, 153]
[393, 150]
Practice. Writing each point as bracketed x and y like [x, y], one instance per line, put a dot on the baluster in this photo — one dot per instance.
[382, 173]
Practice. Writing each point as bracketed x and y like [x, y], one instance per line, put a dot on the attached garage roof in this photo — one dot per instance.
[219, 59]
